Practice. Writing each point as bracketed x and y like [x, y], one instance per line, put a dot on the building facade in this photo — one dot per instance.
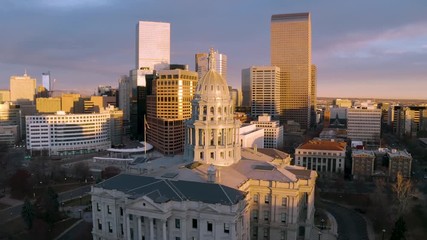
[273, 131]
[22, 89]
[291, 52]
[364, 125]
[363, 163]
[48, 105]
[251, 136]
[399, 161]
[68, 134]
[264, 90]
[152, 45]
[327, 156]
[168, 107]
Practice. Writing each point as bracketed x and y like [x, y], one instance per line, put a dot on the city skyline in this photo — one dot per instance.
[94, 41]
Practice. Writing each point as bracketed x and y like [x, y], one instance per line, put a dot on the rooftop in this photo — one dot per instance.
[330, 145]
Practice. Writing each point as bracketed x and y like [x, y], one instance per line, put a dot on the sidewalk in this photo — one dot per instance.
[10, 201]
[326, 234]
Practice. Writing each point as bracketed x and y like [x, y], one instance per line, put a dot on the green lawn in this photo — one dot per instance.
[76, 202]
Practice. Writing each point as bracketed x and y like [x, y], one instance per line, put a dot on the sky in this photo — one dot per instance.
[365, 48]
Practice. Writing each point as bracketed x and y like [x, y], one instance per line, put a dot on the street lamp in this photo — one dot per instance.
[383, 233]
[320, 234]
[323, 224]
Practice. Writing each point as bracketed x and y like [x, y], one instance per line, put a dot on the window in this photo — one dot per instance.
[256, 198]
[130, 217]
[266, 232]
[266, 215]
[255, 214]
[98, 208]
[282, 235]
[177, 223]
[99, 224]
[194, 223]
[209, 226]
[108, 209]
[284, 201]
[177, 238]
[267, 199]
[109, 227]
[121, 211]
[226, 228]
[255, 232]
[283, 217]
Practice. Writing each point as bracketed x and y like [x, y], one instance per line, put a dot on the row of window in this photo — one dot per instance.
[267, 199]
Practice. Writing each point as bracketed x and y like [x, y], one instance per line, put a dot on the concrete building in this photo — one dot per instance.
[273, 131]
[291, 52]
[399, 161]
[116, 125]
[343, 103]
[10, 119]
[327, 156]
[364, 125]
[264, 90]
[69, 103]
[363, 164]
[152, 45]
[125, 94]
[48, 105]
[4, 96]
[220, 64]
[47, 82]
[236, 96]
[22, 89]
[68, 134]
[251, 136]
[9, 134]
[168, 107]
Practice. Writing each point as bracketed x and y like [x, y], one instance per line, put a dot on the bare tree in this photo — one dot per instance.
[403, 191]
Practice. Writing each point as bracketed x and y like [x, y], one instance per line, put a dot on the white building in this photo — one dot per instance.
[250, 136]
[67, 134]
[321, 155]
[273, 132]
[233, 193]
[264, 90]
[152, 45]
[364, 125]
[220, 64]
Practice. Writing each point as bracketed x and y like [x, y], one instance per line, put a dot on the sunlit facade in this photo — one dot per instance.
[22, 88]
[68, 134]
[152, 45]
[291, 52]
[168, 108]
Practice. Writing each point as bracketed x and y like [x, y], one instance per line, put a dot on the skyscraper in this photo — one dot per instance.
[263, 95]
[46, 81]
[22, 89]
[220, 64]
[152, 45]
[291, 52]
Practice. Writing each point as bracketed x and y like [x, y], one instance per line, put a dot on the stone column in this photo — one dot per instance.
[127, 226]
[139, 234]
[164, 229]
[151, 228]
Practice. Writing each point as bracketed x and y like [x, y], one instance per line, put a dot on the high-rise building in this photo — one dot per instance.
[47, 81]
[168, 107]
[220, 64]
[273, 131]
[22, 89]
[125, 94]
[313, 97]
[4, 96]
[291, 52]
[364, 125]
[264, 95]
[152, 45]
[69, 103]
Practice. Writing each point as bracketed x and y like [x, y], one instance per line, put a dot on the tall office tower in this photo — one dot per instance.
[291, 52]
[125, 94]
[47, 82]
[235, 96]
[22, 89]
[168, 107]
[152, 45]
[4, 95]
[364, 125]
[264, 95]
[220, 64]
[313, 97]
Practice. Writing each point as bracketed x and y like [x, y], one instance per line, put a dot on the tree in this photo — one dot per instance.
[81, 170]
[28, 213]
[48, 206]
[403, 191]
[20, 183]
[399, 229]
[40, 230]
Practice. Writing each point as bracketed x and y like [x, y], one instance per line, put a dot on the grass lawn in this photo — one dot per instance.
[16, 229]
[76, 202]
[352, 199]
[3, 206]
